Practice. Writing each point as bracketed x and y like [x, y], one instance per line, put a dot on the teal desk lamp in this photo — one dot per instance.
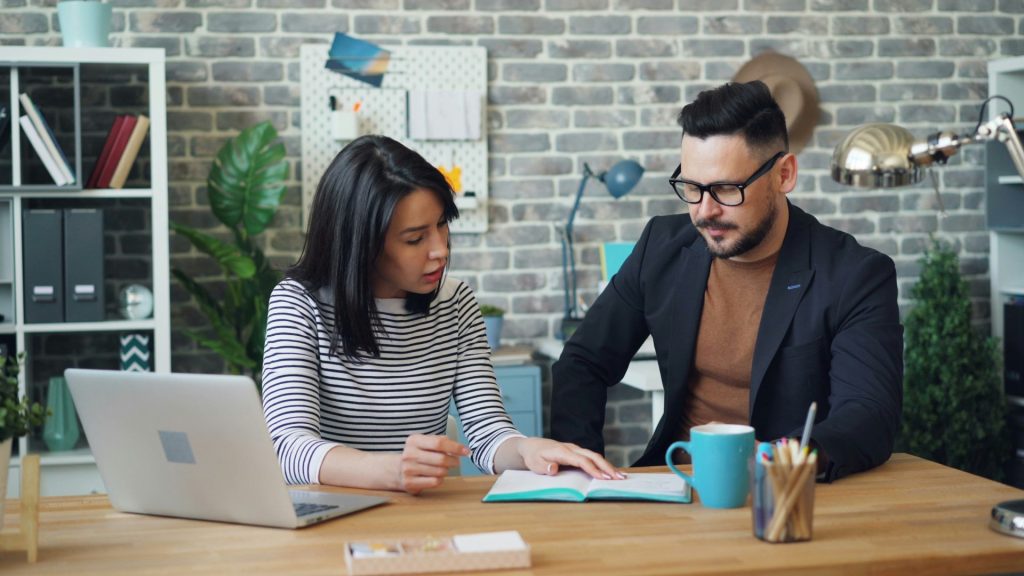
[618, 180]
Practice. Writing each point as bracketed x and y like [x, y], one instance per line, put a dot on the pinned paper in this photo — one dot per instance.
[444, 115]
[358, 59]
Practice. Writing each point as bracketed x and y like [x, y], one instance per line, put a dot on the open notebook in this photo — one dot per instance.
[577, 486]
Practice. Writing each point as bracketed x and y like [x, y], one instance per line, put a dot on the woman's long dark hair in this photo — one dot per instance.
[349, 218]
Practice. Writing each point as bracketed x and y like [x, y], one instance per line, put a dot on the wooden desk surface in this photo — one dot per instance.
[908, 516]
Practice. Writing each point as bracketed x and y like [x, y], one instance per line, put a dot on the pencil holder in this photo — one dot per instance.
[783, 498]
[344, 125]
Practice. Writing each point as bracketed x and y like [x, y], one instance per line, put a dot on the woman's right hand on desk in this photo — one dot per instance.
[425, 461]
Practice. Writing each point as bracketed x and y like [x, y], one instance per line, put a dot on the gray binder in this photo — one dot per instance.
[44, 266]
[83, 265]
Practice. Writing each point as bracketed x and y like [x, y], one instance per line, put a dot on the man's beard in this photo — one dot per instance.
[746, 242]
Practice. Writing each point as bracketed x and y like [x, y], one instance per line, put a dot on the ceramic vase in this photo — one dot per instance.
[60, 432]
[493, 326]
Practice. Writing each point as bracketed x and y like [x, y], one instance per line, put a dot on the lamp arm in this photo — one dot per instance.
[1006, 133]
[938, 147]
[568, 250]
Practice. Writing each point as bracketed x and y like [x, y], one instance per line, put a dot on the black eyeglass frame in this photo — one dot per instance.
[741, 186]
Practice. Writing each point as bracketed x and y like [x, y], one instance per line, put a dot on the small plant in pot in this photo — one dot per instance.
[17, 417]
[494, 317]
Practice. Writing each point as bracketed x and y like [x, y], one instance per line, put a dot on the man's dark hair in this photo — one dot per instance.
[349, 218]
[746, 109]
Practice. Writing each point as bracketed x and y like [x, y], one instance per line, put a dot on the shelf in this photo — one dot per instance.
[108, 326]
[51, 192]
[467, 202]
[69, 458]
[1011, 180]
[7, 328]
[1012, 290]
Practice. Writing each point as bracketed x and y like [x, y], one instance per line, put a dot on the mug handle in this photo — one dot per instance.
[668, 460]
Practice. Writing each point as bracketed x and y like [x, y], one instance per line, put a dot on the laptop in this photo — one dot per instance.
[193, 446]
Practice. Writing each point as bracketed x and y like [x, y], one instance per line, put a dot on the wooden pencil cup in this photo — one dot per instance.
[784, 502]
[27, 536]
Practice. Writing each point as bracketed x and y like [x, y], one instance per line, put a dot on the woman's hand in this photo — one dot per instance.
[544, 456]
[425, 461]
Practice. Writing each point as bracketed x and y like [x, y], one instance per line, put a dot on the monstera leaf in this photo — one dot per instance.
[246, 179]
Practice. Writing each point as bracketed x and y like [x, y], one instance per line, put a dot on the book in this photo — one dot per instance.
[48, 138]
[131, 150]
[108, 144]
[511, 355]
[5, 119]
[433, 554]
[613, 254]
[577, 486]
[124, 132]
[40, 148]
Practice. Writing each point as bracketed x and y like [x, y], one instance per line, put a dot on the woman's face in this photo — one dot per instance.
[415, 248]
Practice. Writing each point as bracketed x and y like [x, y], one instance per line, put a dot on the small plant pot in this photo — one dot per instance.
[493, 326]
[84, 23]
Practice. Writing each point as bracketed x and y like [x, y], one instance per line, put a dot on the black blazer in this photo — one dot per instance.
[830, 332]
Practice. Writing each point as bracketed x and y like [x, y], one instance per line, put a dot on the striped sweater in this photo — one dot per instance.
[314, 401]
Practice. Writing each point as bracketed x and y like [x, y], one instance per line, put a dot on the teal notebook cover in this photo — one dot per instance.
[613, 254]
[576, 486]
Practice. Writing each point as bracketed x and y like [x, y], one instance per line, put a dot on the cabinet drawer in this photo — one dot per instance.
[525, 422]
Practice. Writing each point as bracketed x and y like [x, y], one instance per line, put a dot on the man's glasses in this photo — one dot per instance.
[725, 193]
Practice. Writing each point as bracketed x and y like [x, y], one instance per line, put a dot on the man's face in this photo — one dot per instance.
[731, 231]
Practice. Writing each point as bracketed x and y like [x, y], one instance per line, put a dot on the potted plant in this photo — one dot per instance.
[245, 185]
[954, 411]
[17, 417]
[493, 321]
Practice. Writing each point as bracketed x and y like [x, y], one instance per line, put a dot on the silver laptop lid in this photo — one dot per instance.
[187, 445]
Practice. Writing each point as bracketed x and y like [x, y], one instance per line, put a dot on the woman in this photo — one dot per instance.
[368, 342]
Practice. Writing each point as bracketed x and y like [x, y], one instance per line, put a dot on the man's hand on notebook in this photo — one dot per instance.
[425, 461]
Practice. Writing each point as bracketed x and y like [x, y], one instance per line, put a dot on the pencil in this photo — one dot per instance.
[808, 424]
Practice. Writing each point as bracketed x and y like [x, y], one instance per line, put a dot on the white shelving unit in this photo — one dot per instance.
[74, 472]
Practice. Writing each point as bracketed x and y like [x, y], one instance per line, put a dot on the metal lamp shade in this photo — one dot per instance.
[876, 156]
[622, 177]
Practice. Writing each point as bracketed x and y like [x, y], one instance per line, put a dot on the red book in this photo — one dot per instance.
[120, 141]
[111, 136]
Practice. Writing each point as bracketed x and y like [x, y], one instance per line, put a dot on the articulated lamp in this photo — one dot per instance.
[619, 180]
[887, 156]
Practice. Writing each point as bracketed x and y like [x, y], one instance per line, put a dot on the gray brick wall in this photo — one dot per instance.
[575, 81]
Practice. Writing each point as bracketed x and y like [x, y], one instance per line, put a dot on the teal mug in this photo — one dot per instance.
[84, 23]
[721, 454]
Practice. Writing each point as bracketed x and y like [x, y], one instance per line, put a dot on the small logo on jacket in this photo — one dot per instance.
[793, 286]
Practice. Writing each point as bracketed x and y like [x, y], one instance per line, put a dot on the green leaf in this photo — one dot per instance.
[245, 179]
[228, 256]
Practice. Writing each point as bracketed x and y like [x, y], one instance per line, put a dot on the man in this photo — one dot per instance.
[756, 308]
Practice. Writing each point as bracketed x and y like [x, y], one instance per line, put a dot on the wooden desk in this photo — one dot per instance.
[908, 516]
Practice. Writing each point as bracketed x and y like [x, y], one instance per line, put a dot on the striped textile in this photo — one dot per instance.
[314, 401]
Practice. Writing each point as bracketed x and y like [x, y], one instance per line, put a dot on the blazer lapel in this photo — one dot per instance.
[789, 284]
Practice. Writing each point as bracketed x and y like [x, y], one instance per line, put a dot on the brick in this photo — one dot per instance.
[977, 47]
[711, 47]
[933, 69]
[284, 46]
[582, 96]
[314, 23]
[508, 143]
[599, 25]
[733, 25]
[537, 303]
[854, 226]
[481, 260]
[171, 46]
[461, 24]
[240, 22]
[988, 25]
[519, 235]
[550, 119]
[907, 224]
[219, 46]
[839, 5]
[585, 142]
[815, 205]
[506, 95]
[507, 5]
[860, 25]
[1011, 6]
[963, 223]
[807, 25]
[177, 22]
[184, 71]
[650, 48]
[966, 5]
[863, 70]
[855, 116]
[930, 25]
[540, 212]
[604, 118]
[565, 48]
[973, 91]
[643, 5]
[651, 139]
[540, 166]
[903, 5]
[247, 71]
[1011, 47]
[927, 113]
[389, 24]
[530, 25]
[521, 189]
[514, 328]
[194, 3]
[517, 48]
[648, 94]
[926, 200]
[221, 96]
[287, 95]
[542, 73]
[663, 117]
[775, 5]
[603, 72]
[667, 71]
[909, 92]
[367, 4]
[847, 93]
[436, 4]
[666, 25]
[184, 121]
[567, 5]
[894, 47]
[707, 5]
[873, 203]
[960, 179]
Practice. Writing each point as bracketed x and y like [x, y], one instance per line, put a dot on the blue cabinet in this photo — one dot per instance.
[520, 391]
